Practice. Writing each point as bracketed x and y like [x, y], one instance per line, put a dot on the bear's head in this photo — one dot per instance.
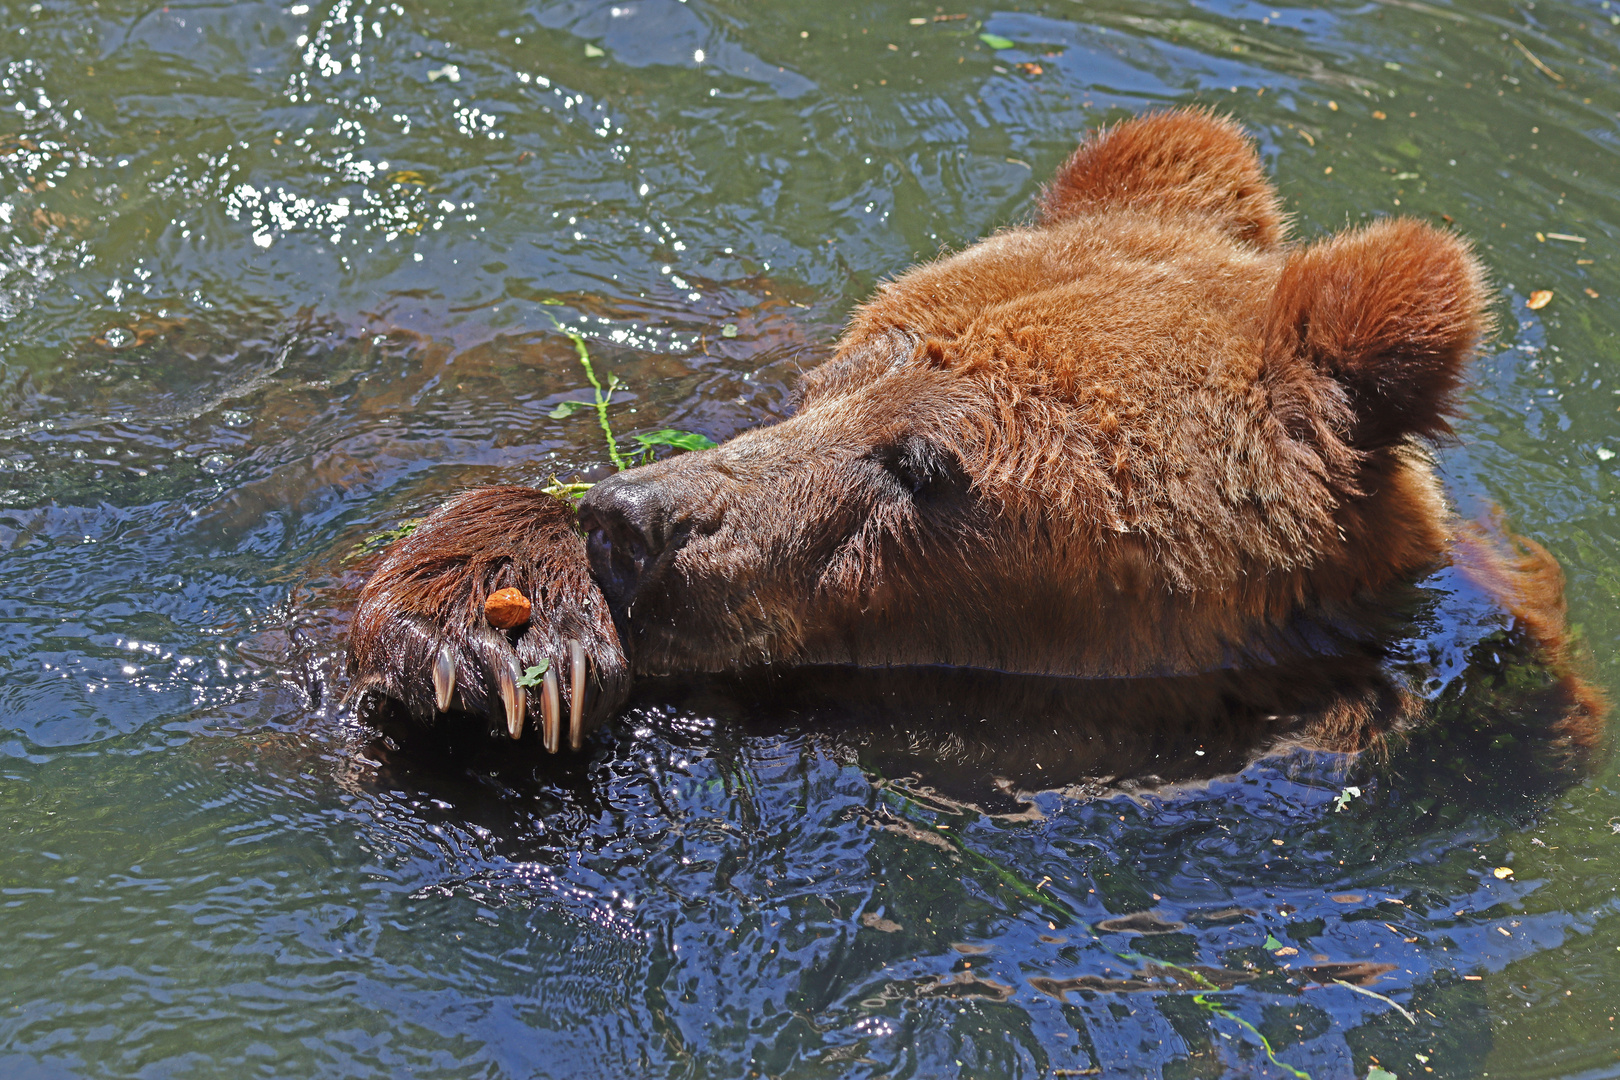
[1141, 435]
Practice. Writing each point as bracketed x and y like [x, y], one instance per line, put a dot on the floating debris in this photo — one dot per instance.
[1543, 68]
[1140, 922]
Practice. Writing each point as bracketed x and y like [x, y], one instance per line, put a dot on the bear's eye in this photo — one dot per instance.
[919, 467]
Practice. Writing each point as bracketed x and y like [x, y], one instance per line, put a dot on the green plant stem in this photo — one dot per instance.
[603, 397]
[1265, 1044]
[911, 811]
[561, 490]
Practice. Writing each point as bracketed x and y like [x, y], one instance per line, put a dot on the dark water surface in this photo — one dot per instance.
[274, 278]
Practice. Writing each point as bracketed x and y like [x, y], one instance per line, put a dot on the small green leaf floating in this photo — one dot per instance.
[729, 330]
[592, 52]
[1272, 944]
[996, 41]
[680, 440]
[568, 408]
[1376, 1073]
[534, 675]
[383, 539]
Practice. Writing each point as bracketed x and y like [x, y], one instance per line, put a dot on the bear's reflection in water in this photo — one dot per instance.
[990, 739]
[1448, 686]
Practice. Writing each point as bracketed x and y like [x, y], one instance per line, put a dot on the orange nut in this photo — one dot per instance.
[507, 609]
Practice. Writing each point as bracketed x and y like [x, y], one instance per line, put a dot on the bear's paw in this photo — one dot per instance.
[427, 639]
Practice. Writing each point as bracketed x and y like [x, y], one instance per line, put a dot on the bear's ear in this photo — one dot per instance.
[1392, 312]
[1187, 161]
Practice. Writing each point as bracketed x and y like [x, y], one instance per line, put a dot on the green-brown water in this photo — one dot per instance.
[271, 280]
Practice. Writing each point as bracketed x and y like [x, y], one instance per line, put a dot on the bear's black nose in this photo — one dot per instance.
[628, 523]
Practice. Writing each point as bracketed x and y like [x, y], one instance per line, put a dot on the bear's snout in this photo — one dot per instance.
[629, 522]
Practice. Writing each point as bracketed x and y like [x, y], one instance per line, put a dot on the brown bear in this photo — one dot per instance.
[1142, 436]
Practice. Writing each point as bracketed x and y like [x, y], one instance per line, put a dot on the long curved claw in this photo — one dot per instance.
[444, 677]
[514, 697]
[576, 694]
[551, 712]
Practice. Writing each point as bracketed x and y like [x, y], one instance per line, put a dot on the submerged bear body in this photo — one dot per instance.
[1143, 436]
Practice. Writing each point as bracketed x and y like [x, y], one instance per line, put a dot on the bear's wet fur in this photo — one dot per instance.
[1142, 436]
[426, 599]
